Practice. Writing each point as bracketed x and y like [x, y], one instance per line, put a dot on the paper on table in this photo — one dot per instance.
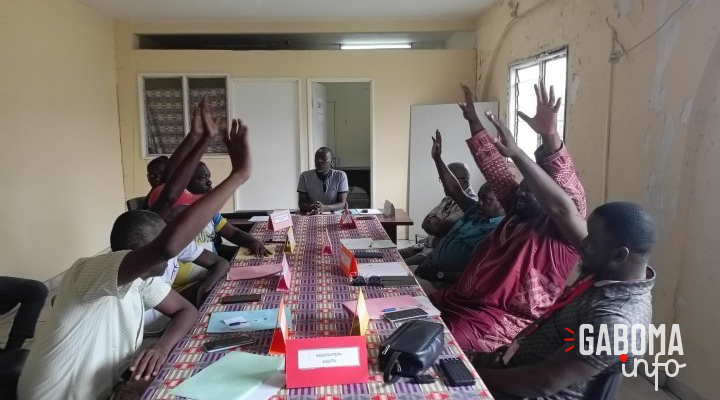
[253, 272]
[259, 218]
[259, 320]
[376, 306]
[428, 306]
[370, 211]
[382, 244]
[382, 269]
[231, 377]
[244, 254]
[357, 244]
[269, 387]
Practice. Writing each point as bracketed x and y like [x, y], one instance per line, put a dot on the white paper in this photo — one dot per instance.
[259, 218]
[369, 211]
[382, 244]
[428, 306]
[357, 244]
[383, 269]
[268, 388]
[281, 217]
[329, 358]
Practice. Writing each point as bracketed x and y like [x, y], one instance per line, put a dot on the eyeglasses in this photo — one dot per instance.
[370, 281]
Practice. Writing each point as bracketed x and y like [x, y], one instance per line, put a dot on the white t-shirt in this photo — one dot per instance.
[94, 330]
[154, 319]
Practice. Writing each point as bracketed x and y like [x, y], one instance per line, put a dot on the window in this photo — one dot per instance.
[166, 110]
[552, 66]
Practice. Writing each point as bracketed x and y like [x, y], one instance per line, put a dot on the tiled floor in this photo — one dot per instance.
[631, 388]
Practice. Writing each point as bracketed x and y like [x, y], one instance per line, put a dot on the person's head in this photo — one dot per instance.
[526, 205]
[488, 203]
[323, 159]
[620, 238]
[461, 172]
[135, 229]
[155, 171]
[200, 182]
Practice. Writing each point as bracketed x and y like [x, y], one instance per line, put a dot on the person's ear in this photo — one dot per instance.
[621, 254]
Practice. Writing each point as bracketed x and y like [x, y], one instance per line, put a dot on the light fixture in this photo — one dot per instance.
[375, 46]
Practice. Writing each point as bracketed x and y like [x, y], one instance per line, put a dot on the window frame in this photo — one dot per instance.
[187, 118]
[541, 60]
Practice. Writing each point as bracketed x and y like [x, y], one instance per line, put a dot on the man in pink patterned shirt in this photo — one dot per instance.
[522, 267]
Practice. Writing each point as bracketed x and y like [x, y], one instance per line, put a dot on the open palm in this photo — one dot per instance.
[545, 120]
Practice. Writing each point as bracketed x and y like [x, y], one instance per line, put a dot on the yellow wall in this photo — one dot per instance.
[401, 79]
[60, 170]
[635, 128]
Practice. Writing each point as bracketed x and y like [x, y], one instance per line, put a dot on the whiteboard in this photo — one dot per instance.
[425, 190]
[270, 109]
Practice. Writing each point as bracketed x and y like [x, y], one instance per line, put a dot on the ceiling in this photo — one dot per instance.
[288, 10]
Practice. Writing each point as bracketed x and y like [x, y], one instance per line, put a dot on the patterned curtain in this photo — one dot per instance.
[165, 126]
[199, 87]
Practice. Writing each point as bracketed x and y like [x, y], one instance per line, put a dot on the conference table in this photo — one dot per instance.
[317, 290]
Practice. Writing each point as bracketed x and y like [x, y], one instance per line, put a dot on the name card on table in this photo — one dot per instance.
[326, 361]
[389, 209]
[280, 335]
[348, 263]
[362, 317]
[346, 220]
[279, 219]
[290, 243]
[284, 282]
[327, 244]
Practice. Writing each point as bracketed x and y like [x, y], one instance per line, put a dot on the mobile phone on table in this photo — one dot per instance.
[405, 315]
[228, 343]
[241, 298]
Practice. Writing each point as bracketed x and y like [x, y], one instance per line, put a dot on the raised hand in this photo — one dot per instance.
[545, 120]
[196, 125]
[210, 122]
[468, 110]
[236, 142]
[505, 143]
[436, 151]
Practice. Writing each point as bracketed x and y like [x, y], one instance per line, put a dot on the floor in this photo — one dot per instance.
[631, 388]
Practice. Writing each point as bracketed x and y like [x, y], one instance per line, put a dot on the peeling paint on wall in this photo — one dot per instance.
[667, 39]
[573, 89]
[623, 7]
[659, 178]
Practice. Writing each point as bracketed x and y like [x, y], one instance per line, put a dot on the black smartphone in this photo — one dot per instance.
[229, 343]
[241, 298]
[390, 281]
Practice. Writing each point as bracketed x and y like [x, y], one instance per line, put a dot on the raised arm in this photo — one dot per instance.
[491, 163]
[192, 138]
[555, 201]
[449, 181]
[181, 175]
[181, 230]
[553, 156]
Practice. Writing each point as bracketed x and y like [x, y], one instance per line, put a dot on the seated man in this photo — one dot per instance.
[521, 268]
[30, 295]
[322, 189]
[450, 257]
[96, 324]
[156, 171]
[440, 220]
[613, 289]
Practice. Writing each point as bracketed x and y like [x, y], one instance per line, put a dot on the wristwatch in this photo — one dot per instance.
[440, 274]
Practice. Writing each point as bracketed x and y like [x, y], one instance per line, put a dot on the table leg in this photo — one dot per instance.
[391, 230]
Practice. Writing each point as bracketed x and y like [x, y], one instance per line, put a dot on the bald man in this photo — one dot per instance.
[440, 220]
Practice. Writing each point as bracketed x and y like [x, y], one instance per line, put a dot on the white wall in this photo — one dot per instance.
[352, 122]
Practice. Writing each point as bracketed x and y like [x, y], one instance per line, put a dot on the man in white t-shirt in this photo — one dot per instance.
[96, 325]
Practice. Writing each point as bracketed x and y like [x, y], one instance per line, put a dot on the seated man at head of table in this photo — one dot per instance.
[450, 257]
[322, 189]
[441, 219]
[96, 324]
[523, 265]
[614, 288]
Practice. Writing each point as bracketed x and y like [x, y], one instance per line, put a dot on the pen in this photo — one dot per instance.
[275, 241]
[246, 322]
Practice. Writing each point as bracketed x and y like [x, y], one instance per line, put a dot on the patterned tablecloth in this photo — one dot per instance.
[316, 295]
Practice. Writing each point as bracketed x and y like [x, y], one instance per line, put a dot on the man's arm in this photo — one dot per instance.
[243, 239]
[559, 371]
[552, 156]
[305, 203]
[217, 268]
[186, 146]
[492, 164]
[339, 204]
[183, 315]
[181, 230]
[451, 186]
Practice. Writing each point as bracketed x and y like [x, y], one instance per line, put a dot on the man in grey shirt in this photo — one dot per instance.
[323, 188]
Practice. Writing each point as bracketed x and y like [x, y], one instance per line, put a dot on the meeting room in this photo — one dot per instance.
[312, 200]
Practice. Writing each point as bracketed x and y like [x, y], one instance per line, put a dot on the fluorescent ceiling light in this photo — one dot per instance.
[375, 46]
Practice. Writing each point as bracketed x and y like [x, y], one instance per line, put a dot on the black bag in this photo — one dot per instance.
[411, 349]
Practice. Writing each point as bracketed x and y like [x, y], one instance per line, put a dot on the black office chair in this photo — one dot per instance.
[138, 203]
[605, 386]
[11, 365]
